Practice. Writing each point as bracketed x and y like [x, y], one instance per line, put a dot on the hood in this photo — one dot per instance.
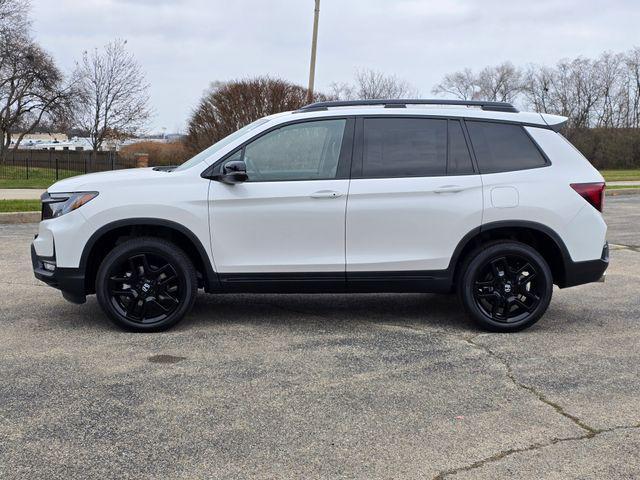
[94, 181]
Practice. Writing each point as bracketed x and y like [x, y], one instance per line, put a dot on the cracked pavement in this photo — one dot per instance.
[324, 386]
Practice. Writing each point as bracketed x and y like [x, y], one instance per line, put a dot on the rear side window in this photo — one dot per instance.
[404, 147]
[501, 147]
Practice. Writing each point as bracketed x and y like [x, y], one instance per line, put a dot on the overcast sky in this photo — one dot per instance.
[183, 45]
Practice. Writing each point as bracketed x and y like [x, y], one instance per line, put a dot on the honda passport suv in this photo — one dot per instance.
[362, 196]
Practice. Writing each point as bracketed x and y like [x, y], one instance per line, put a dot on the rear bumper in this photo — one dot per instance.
[69, 280]
[579, 273]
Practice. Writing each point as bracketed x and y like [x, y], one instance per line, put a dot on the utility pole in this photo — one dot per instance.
[314, 44]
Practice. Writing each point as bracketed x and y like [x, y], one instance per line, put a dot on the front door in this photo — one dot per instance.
[287, 221]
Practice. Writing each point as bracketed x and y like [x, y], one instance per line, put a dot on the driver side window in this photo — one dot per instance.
[302, 151]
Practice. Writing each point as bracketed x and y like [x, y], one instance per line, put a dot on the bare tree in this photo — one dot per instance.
[575, 91]
[462, 85]
[608, 70]
[113, 94]
[371, 84]
[632, 84]
[14, 16]
[536, 87]
[32, 88]
[226, 107]
[342, 91]
[502, 83]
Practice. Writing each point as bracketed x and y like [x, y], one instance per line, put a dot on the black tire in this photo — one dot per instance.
[505, 286]
[146, 284]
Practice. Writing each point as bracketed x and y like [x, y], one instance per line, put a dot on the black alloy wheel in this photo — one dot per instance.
[146, 284]
[506, 286]
[145, 288]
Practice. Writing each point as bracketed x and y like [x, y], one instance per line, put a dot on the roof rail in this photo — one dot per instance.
[402, 103]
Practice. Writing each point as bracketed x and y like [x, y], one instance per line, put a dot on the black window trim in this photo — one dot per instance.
[344, 160]
[522, 126]
[467, 137]
[472, 157]
[352, 151]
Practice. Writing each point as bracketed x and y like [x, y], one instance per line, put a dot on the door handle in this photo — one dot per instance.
[449, 189]
[326, 194]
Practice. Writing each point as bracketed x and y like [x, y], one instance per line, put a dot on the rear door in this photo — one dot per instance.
[414, 195]
[289, 217]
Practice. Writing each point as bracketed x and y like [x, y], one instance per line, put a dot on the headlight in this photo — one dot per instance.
[57, 204]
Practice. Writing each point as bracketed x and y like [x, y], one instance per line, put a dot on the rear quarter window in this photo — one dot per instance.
[502, 147]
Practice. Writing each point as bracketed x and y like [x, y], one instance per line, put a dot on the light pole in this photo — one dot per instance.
[314, 44]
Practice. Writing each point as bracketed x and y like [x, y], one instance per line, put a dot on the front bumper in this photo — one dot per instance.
[69, 280]
[578, 273]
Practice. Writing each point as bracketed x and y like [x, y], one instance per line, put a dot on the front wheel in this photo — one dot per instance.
[146, 284]
[505, 286]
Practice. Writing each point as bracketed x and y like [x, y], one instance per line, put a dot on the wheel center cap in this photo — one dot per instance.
[507, 288]
[146, 287]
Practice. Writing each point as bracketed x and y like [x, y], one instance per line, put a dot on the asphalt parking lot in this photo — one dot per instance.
[326, 386]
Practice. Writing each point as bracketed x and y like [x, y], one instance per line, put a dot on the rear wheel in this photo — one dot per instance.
[146, 284]
[505, 286]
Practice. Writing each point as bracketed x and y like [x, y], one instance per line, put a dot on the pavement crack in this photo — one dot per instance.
[503, 454]
[535, 446]
[619, 246]
[539, 395]
[589, 431]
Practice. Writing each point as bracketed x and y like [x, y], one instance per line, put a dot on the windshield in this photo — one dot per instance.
[219, 145]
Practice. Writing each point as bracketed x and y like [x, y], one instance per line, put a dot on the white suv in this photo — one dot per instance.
[362, 196]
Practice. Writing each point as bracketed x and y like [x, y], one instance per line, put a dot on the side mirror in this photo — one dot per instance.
[233, 172]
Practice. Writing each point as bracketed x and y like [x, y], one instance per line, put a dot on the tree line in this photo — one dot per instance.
[602, 92]
[601, 98]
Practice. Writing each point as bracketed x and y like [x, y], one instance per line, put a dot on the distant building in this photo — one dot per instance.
[60, 141]
[75, 143]
[42, 137]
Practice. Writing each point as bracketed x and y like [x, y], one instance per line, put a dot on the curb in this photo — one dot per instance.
[19, 217]
[622, 191]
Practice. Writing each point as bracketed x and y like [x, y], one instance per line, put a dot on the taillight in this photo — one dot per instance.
[592, 193]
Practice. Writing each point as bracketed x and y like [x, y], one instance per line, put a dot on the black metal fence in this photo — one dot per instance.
[57, 164]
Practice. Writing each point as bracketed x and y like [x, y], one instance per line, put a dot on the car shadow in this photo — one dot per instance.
[429, 311]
